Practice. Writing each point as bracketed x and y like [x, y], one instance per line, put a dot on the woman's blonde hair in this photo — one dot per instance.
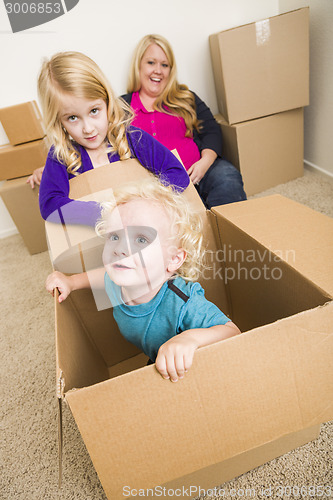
[75, 73]
[176, 98]
[185, 221]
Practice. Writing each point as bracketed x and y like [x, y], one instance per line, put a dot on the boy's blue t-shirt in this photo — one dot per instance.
[150, 325]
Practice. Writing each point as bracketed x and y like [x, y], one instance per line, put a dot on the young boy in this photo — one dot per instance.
[152, 256]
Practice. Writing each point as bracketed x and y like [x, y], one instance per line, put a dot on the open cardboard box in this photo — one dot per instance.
[245, 400]
[262, 68]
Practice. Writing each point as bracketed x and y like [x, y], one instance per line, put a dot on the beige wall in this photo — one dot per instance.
[318, 147]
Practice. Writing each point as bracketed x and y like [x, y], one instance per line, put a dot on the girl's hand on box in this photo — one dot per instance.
[61, 282]
[175, 357]
[35, 177]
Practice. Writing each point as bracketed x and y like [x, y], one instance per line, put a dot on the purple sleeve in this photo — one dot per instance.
[54, 202]
[210, 135]
[157, 158]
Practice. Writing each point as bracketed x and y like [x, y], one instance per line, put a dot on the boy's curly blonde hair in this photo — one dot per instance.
[185, 221]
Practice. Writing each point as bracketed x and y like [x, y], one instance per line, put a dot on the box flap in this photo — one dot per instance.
[219, 410]
[78, 361]
[293, 232]
[114, 175]
[97, 185]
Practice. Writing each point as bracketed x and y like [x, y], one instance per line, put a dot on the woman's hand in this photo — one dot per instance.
[197, 171]
[199, 168]
[61, 282]
[35, 177]
[175, 357]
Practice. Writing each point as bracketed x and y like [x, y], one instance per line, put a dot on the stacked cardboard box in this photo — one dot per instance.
[246, 400]
[26, 151]
[261, 73]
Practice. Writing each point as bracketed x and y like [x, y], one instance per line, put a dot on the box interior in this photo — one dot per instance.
[78, 249]
[252, 301]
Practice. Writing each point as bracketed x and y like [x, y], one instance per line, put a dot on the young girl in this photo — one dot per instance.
[89, 127]
[152, 255]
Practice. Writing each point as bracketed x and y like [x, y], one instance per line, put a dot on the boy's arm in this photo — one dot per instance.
[66, 284]
[176, 355]
[207, 336]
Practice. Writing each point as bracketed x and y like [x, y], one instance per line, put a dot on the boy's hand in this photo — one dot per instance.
[60, 281]
[175, 357]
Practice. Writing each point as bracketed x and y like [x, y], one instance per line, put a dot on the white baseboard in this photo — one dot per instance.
[312, 166]
[8, 232]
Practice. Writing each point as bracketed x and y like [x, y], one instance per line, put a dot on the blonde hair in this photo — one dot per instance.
[75, 73]
[185, 221]
[176, 97]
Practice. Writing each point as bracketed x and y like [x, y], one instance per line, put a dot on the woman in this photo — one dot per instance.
[180, 120]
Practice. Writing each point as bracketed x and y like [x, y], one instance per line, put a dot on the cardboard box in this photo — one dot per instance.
[267, 151]
[22, 123]
[262, 68]
[245, 400]
[22, 203]
[17, 161]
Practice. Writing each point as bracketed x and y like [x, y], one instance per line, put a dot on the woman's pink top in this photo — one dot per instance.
[168, 129]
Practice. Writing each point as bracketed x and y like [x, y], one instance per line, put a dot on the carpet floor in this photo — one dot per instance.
[28, 415]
